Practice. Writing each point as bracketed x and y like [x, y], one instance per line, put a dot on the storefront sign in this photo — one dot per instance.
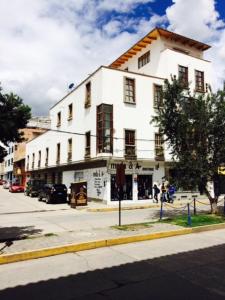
[128, 166]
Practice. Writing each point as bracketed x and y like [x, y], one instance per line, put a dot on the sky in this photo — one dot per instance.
[48, 44]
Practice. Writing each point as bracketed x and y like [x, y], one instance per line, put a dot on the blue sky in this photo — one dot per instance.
[48, 44]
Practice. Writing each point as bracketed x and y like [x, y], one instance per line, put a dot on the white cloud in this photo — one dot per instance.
[48, 44]
[200, 20]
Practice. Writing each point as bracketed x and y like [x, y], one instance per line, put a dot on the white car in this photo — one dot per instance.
[6, 185]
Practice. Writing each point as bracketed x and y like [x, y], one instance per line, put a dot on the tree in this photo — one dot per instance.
[14, 115]
[194, 129]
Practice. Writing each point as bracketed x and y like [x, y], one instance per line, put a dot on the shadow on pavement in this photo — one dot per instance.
[17, 233]
[193, 275]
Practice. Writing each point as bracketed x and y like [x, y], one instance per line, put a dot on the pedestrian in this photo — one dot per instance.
[171, 192]
[156, 192]
[163, 191]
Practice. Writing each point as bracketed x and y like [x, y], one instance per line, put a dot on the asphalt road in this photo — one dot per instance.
[18, 210]
[184, 267]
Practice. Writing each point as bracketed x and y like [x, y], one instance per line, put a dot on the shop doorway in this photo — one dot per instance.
[127, 188]
[144, 187]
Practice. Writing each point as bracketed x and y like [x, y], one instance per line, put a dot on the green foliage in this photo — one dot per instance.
[194, 128]
[198, 220]
[14, 115]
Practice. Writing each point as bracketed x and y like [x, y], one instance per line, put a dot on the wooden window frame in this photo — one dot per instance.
[70, 112]
[144, 59]
[159, 146]
[87, 95]
[199, 79]
[130, 146]
[69, 150]
[129, 88]
[39, 158]
[46, 156]
[59, 119]
[101, 112]
[157, 102]
[58, 153]
[183, 76]
[87, 144]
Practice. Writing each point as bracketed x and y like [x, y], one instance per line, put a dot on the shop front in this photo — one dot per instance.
[139, 179]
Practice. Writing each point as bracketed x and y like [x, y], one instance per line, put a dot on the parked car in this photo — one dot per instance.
[6, 185]
[33, 186]
[53, 193]
[16, 188]
[2, 181]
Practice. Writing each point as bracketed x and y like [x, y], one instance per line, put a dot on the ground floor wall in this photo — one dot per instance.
[101, 182]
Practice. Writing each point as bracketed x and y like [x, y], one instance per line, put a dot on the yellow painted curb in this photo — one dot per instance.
[70, 248]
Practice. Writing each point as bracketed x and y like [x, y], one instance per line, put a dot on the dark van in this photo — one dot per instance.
[53, 193]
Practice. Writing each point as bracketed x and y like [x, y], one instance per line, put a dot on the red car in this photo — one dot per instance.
[16, 188]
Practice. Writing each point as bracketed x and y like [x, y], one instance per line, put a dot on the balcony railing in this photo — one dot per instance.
[159, 153]
[130, 152]
[69, 156]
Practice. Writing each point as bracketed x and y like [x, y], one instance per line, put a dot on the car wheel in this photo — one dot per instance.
[39, 198]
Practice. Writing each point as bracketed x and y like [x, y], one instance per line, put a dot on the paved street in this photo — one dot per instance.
[17, 210]
[184, 267]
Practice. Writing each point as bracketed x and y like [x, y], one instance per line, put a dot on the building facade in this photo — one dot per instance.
[106, 120]
[14, 162]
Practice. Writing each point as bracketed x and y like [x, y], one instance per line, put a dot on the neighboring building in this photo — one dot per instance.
[2, 170]
[15, 160]
[106, 120]
[8, 161]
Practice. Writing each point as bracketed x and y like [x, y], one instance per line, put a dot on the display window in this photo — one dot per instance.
[127, 190]
[144, 187]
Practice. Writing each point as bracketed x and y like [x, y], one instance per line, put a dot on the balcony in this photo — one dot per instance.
[87, 153]
[159, 154]
[69, 157]
[130, 153]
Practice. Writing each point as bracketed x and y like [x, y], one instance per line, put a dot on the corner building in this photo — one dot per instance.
[106, 120]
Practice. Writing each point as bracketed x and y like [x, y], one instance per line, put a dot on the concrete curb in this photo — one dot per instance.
[110, 209]
[45, 252]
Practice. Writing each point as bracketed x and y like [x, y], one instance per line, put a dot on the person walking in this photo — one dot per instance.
[171, 192]
[156, 192]
[163, 191]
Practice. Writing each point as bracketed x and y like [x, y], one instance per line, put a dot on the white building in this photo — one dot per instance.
[106, 120]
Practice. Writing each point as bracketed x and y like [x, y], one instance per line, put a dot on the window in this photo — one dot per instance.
[129, 90]
[183, 76]
[144, 59]
[46, 156]
[159, 147]
[33, 159]
[88, 95]
[70, 112]
[11, 161]
[16, 147]
[158, 99]
[69, 154]
[39, 159]
[87, 144]
[199, 81]
[58, 119]
[58, 154]
[130, 149]
[12, 150]
[105, 128]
